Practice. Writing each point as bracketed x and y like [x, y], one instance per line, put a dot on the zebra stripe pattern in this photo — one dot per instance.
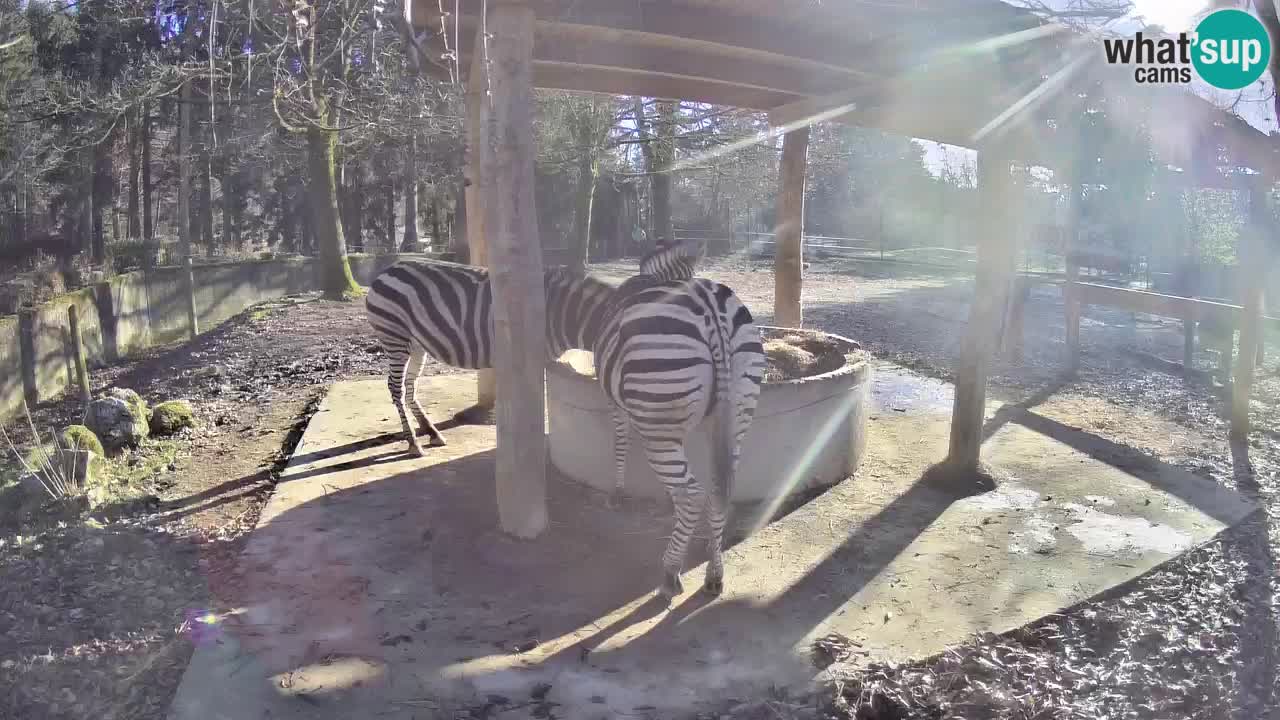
[671, 355]
[445, 310]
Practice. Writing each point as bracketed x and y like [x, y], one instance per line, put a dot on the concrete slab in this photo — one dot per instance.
[375, 585]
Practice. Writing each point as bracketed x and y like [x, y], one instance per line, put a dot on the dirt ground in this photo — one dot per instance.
[98, 618]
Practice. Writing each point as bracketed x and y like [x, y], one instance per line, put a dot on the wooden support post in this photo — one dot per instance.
[193, 322]
[77, 353]
[996, 259]
[478, 247]
[1070, 293]
[1252, 271]
[515, 265]
[1013, 336]
[788, 259]
[1226, 346]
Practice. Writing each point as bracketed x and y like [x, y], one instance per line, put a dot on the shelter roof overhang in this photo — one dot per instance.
[961, 72]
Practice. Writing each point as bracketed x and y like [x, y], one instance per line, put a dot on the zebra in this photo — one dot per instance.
[670, 355]
[442, 309]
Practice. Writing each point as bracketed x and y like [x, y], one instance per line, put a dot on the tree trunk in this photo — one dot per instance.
[185, 145]
[205, 217]
[435, 219]
[206, 188]
[148, 226]
[588, 168]
[135, 175]
[391, 214]
[459, 242]
[100, 200]
[664, 155]
[227, 183]
[335, 272]
[355, 206]
[411, 241]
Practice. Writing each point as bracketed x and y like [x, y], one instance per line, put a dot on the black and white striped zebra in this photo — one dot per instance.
[671, 355]
[421, 307]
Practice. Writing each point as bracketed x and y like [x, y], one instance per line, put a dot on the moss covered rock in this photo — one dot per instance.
[169, 417]
[79, 437]
[131, 398]
[117, 423]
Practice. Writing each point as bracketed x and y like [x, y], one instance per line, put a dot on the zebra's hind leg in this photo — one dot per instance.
[668, 460]
[398, 357]
[620, 437]
[417, 360]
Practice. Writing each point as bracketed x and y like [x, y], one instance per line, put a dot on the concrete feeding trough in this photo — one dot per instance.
[809, 429]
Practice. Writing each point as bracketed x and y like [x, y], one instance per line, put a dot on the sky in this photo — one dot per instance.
[1252, 104]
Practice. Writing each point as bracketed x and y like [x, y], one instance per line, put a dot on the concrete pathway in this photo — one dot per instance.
[375, 585]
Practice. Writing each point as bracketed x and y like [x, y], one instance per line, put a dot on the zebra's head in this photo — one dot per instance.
[673, 259]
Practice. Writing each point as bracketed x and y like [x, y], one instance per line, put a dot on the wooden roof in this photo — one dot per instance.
[954, 71]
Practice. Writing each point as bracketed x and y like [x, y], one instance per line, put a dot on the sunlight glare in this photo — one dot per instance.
[1173, 15]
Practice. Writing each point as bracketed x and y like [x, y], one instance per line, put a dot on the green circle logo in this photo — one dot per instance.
[1232, 49]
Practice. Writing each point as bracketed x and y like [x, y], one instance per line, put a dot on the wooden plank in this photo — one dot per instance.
[477, 244]
[515, 266]
[1160, 304]
[788, 259]
[616, 81]
[838, 105]
[991, 287]
[589, 47]
[747, 37]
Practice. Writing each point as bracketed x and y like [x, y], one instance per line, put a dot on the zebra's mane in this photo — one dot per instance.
[673, 260]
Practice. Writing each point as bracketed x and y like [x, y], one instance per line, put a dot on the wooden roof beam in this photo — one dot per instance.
[613, 81]
[570, 46]
[836, 48]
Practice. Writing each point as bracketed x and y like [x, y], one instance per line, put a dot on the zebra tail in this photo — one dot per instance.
[722, 450]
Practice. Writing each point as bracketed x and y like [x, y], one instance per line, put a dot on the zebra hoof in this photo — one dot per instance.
[416, 450]
[437, 441]
[713, 586]
[671, 586]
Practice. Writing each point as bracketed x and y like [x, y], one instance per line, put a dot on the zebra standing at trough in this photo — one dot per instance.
[430, 307]
[671, 354]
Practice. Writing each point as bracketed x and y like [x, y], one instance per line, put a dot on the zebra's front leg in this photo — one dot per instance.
[667, 458]
[620, 437]
[417, 360]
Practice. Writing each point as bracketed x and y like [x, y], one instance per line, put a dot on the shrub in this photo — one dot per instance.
[169, 417]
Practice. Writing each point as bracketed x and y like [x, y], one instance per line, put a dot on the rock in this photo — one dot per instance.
[169, 417]
[79, 437]
[115, 423]
[135, 401]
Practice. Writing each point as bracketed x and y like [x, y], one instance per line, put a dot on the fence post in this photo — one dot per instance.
[1252, 256]
[27, 350]
[77, 353]
[193, 323]
[880, 227]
